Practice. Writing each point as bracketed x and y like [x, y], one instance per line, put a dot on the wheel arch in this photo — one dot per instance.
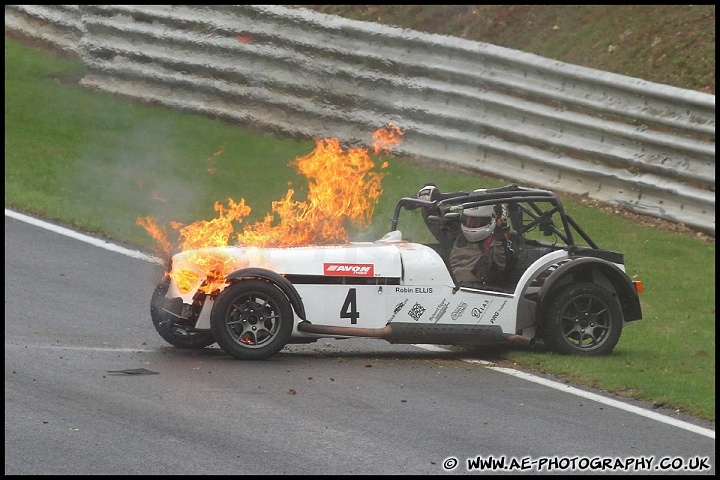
[282, 283]
[594, 270]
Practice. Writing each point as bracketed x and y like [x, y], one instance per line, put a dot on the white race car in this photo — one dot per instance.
[576, 298]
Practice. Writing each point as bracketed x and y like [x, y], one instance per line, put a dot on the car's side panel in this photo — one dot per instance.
[359, 260]
[529, 286]
[442, 305]
[374, 306]
[353, 260]
[361, 306]
[423, 266]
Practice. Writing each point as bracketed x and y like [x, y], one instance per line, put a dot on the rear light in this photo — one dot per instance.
[638, 286]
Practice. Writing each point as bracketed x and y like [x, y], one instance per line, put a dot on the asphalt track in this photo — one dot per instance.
[90, 388]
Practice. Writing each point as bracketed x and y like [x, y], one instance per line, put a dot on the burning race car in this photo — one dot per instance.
[575, 297]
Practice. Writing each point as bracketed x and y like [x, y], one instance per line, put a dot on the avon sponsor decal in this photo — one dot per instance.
[349, 269]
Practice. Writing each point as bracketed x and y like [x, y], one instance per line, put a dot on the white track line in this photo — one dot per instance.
[582, 393]
[79, 236]
[516, 373]
[82, 349]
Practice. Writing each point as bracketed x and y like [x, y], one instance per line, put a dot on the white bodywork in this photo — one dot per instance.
[307, 260]
[385, 281]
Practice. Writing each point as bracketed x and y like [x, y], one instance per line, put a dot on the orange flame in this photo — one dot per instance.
[385, 138]
[213, 169]
[159, 234]
[215, 232]
[341, 187]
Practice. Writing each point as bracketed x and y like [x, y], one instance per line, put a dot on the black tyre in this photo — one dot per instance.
[252, 320]
[171, 328]
[582, 319]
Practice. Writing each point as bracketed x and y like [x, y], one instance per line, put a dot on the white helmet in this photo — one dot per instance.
[477, 223]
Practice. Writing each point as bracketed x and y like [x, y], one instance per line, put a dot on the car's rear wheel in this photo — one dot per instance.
[583, 319]
[252, 320]
[175, 331]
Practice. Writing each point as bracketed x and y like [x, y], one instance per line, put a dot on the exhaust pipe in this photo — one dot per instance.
[384, 333]
[520, 340]
[427, 334]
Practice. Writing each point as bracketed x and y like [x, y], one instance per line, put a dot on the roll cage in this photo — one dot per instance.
[539, 206]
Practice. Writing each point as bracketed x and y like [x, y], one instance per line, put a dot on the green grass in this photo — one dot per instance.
[670, 44]
[98, 162]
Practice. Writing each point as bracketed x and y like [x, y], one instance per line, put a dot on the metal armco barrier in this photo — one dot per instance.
[647, 147]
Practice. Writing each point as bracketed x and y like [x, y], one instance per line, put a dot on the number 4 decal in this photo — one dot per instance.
[349, 308]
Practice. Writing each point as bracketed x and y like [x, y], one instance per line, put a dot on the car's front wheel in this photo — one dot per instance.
[582, 319]
[252, 320]
[171, 328]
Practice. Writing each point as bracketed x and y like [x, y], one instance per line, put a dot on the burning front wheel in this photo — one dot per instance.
[176, 331]
[252, 320]
[583, 319]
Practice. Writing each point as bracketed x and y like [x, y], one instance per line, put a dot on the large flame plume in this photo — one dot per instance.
[341, 187]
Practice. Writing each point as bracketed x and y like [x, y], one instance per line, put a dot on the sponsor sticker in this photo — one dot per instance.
[439, 310]
[416, 311]
[397, 310]
[349, 269]
[497, 314]
[457, 313]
